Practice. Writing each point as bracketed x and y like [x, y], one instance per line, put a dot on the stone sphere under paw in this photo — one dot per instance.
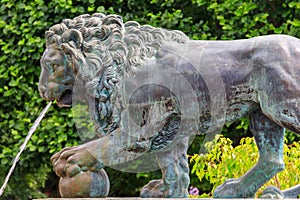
[85, 184]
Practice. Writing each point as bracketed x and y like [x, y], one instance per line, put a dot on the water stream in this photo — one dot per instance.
[23, 146]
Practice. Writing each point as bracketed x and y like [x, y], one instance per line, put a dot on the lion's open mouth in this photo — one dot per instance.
[65, 99]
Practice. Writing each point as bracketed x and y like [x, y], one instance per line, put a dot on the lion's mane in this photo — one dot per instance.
[105, 49]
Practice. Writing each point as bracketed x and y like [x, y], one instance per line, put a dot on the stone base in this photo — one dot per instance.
[122, 198]
[137, 198]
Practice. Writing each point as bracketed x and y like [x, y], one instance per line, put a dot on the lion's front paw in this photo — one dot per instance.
[154, 189]
[72, 160]
[231, 189]
[59, 160]
[157, 189]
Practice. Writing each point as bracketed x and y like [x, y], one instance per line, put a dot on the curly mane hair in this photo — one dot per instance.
[103, 49]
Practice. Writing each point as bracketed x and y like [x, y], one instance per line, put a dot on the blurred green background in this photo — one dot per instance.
[22, 27]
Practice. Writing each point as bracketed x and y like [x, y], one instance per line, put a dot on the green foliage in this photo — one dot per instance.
[22, 27]
[22, 42]
[232, 19]
[223, 161]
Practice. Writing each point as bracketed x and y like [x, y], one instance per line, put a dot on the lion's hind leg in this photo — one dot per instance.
[292, 192]
[269, 138]
[287, 113]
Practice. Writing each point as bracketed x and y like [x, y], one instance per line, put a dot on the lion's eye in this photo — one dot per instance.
[54, 66]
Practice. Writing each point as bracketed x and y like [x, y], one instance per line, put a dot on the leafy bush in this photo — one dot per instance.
[22, 27]
[223, 161]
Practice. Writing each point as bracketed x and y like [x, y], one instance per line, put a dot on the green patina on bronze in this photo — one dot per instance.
[258, 77]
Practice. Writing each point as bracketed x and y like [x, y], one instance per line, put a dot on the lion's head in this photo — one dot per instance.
[96, 49]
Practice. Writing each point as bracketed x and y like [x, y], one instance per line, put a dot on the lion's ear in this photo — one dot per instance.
[74, 36]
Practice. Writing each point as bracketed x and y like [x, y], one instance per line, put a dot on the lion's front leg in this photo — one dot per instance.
[174, 184]
[176, 179]
[175, 174]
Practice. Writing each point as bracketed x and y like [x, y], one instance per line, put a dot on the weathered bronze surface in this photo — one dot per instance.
[178, 87]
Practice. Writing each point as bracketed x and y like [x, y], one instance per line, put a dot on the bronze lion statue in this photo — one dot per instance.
[173, 88]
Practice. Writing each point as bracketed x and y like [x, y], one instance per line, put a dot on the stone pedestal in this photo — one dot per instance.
[137, 198]
[126, 198]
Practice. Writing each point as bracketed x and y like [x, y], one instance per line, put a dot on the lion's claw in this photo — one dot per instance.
[72, 170]
[72, 160]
